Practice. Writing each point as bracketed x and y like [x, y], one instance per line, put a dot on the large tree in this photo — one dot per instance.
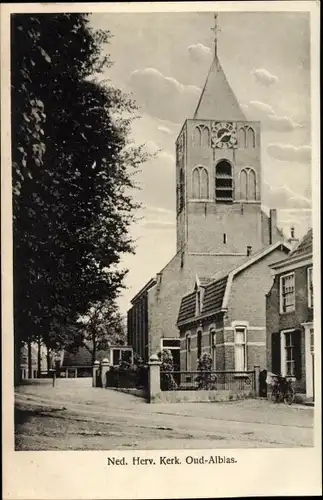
[72, 172]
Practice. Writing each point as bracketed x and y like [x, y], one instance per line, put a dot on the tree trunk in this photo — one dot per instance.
[30, 361]
[39, 358]
[49, 365]
[93, 348]
[17, 373]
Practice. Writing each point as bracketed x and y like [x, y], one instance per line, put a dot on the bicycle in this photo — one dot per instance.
[282, 390]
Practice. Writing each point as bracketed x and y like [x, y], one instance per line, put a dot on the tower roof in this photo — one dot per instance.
[217, 99]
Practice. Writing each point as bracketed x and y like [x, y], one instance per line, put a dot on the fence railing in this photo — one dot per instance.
[207, 380]
[128, 379]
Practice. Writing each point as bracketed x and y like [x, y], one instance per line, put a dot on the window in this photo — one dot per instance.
[213, 348]
[200, 183]
[240, 349]
[119, 355]
[248, 184]
[201, 136]
[287, 293]
[171, 344]
[312, 340]
[224, 238]
[247, 137]
[223, 182]
[199, 301]
[199, 344]
[251, 138]
[291, 353]
[310, 287]
[188, 351]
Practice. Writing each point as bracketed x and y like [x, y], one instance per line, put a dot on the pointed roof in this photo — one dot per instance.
[217, 100]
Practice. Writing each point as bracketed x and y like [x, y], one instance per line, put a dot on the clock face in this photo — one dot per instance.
[224, 135]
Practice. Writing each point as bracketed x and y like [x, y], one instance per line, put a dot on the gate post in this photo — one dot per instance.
[95, 368]
[257, 382]
[105, 367]
[153, 378]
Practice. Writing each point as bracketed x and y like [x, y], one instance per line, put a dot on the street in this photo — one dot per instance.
[74, 416]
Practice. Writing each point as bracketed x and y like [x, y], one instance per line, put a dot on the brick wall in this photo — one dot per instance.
[276, 322]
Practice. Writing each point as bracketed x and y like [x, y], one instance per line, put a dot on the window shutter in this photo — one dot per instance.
[298, 360]
[275, 353]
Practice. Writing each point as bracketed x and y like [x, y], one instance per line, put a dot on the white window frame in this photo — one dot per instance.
[244, 343]
[283, 357]
[170, 347]
[198, 333]
[281, 307]
[213, 347]
[309, 294]
[188, 350]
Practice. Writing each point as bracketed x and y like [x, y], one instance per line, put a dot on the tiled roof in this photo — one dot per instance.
[82, 357]
[305, 245]
[187, 307]
[212, 301]
[217, 97]
[213, 296]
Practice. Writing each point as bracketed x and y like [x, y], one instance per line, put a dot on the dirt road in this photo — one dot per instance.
[75, 416]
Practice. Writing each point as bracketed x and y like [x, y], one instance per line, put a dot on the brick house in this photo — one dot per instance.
[225, 315]
[289, 317]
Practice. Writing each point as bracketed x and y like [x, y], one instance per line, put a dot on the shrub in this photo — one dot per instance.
[167, 381]
[205, 379]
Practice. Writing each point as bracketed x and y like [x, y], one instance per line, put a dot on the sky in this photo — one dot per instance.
[162, 59]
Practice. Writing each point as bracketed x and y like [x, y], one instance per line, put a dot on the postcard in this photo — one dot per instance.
[161, 250]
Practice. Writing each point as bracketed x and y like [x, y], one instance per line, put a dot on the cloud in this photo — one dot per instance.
[264, 112]
[164, 129]
[282, 197]
[157, 224]
[163, 96]
[264, 77]
[288, 152]
[199, 52]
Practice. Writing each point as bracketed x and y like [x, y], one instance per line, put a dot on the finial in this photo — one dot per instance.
[215, 29]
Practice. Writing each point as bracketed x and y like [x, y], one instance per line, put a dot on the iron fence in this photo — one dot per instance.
[208, 380]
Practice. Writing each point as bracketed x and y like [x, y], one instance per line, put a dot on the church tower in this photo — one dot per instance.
[218, 174]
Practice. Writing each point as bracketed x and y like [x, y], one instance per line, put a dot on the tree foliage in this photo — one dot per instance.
[72, 172]
[102, 327]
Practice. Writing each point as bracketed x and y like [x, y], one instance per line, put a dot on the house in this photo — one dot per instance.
[225, 315]
[289, 318]
[30, 355]
[137, 321]
[219, 215]
[79, 363]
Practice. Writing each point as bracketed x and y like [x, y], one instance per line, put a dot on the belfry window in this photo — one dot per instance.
[248, 184]
[200, 183]
[201, 136]
[247, 137]
[223, 182]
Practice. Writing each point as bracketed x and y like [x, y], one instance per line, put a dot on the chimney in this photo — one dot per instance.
[249, 250]
[292, 240]
[272, 225]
